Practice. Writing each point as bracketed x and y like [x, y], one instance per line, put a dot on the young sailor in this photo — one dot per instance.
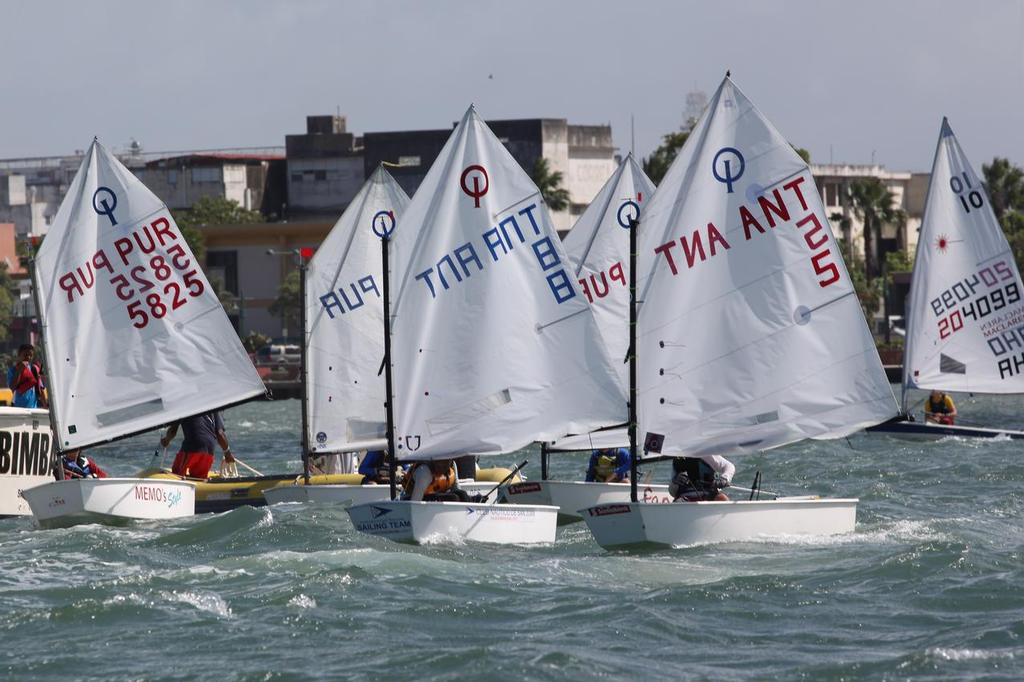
[76, 465]
[700, 479]
[939, 409]
[434, 481]
[610, 465]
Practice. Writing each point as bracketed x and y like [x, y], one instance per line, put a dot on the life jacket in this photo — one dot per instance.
[440, 483]
[605, 466]
[85, 469]
[28, 380]
[941, 408]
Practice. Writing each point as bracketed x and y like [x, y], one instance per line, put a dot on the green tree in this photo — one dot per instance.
[802, 153]
[7, 289]
[874, 205]
[211, 211]
[869, 292]
[288, 304]
[657, 164]
[253, 341]
[1004, 183]
[550, 185]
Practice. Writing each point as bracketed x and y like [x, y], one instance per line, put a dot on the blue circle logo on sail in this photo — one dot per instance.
[383, 223]
[629, 212]
[104, 201]
[728, 166]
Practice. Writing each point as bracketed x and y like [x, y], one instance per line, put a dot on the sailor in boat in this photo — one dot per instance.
[609, 465]
[466, 467]
[374, 468]
[73, 464]
[939, 409]
[434, 481]
[25, 379]
[201, 432]
[700, 479]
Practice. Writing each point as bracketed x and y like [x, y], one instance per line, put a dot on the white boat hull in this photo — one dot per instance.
[572, 496]
[27, 456]
[434, 522]
[347, 495]
[110, 500]
[696, 523]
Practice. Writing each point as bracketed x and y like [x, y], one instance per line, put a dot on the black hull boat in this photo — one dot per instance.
[902, 427]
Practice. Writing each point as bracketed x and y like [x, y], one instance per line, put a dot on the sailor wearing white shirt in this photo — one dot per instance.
[700, 479]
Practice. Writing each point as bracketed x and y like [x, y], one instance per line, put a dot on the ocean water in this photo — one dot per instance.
[928, 587]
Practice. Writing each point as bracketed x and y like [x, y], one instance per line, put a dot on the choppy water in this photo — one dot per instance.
[929, 587]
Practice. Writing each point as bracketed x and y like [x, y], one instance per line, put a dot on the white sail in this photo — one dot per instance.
[134, 335]
[345, 322]
[965, 328]
[750, 334]
[494, 345]
[598, 248]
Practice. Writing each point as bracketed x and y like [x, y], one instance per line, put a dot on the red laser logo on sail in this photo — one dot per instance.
[942, 243]
[475, 173]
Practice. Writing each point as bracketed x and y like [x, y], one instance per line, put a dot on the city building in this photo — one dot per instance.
[256, 181]
[325, 168]
[583, 154]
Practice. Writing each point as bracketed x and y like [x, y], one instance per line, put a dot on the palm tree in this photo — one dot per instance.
[874, 206]
[550, 185]
[1005, 185]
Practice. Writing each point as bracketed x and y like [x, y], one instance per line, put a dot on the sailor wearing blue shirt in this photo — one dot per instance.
[374, 468]
[610, 465]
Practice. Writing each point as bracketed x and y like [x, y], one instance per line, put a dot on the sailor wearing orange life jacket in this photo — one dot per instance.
[436, 480]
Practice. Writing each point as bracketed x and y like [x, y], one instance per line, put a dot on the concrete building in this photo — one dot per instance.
[237, 256]
[583, 154]
[255, 181]
[325, 168]
[834, 182]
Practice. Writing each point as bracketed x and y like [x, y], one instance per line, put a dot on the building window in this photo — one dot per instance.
[296, 177]
[223, 266]
[172, 177]
[320, 175]
[200, 175]
[831, 194]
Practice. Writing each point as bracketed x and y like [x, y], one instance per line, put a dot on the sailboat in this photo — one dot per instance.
[750, 335]
[343, 410]
[491, 342]
[963, 326]
[27, 456]
[134, 338]
[598, 249]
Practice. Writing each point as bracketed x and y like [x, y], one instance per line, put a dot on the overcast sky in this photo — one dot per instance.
[847, 80]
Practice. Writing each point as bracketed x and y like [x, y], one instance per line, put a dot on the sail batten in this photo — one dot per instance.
[493, 344]
[135, 336]
[750, 335]
[964, 324]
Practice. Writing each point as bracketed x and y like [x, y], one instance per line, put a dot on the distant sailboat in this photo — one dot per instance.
[134, 338]
[492, 340]
[750, 335]
[964, 324]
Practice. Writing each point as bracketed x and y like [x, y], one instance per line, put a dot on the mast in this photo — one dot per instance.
[304, 378]
[633, 224]
[544, 461]
[51, 403]
[908, 320]
[389, 394]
